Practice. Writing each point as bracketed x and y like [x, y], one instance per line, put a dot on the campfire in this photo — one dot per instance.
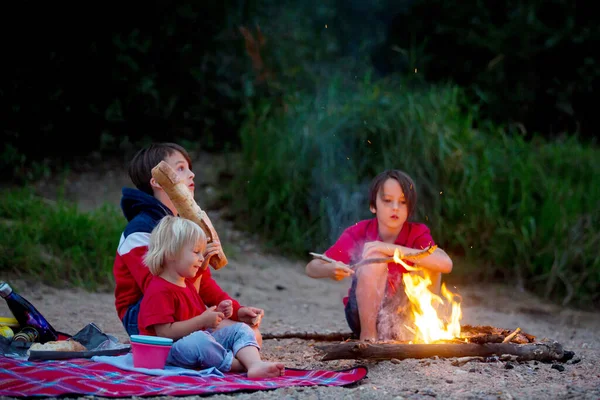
[429, 327]
[433, 323]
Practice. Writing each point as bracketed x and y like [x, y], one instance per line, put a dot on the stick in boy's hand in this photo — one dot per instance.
[340, 271]
[413, 256]
[322, 257]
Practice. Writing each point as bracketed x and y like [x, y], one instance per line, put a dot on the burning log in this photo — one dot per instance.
[491, 334]
[541, 351]
[469, 334]
[187, 207]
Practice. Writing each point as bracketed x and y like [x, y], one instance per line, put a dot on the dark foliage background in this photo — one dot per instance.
[117, 73]
[532, 63]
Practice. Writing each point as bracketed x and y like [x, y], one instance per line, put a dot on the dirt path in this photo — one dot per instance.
[294, 302]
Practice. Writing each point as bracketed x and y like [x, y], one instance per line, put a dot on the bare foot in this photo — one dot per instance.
[265, 369]
[368, 339]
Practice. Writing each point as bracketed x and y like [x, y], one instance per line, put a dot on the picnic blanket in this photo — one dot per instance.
[51, 378]
[125, 362]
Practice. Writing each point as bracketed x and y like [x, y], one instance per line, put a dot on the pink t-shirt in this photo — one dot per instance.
[348, 248]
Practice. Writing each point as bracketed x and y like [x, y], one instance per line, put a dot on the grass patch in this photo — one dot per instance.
[55, 242]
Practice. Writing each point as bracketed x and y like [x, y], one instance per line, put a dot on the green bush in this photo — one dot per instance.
[56, 242]
[517, 209]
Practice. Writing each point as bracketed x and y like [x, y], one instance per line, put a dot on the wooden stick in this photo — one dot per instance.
[512, 335]
[322, 257]
[482, 334]
[486, 338]
[187, 207]
[323, 337]
[362, 262]
[459, 362]
[384, 260]
[367, 261]
[541, 351]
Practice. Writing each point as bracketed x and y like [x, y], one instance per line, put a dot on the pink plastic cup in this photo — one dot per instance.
[150, 351]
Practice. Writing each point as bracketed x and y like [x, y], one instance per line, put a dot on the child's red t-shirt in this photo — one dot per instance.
[165, 302]
[348, 248]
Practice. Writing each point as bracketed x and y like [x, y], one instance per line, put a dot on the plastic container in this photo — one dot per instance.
[150, 351]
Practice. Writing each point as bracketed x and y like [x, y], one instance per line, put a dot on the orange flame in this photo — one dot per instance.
[428, 326]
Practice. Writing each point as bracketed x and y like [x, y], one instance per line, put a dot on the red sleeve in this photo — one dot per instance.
[341, 249]
[421, 237]
[212, 294]
[132, 251]
[158, 307]
[131, 274]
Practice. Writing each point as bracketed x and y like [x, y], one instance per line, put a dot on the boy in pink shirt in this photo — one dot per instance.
[392, 198]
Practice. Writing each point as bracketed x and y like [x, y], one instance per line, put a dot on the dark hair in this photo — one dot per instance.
[140, 167]
[406, 183]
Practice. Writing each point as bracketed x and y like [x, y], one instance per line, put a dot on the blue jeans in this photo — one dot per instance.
[130, 319]
[351, 310]
[210, 348]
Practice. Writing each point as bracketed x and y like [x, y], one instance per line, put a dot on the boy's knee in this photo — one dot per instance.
[198, 349]
[369, 271]
[247, 333]
[245, 330]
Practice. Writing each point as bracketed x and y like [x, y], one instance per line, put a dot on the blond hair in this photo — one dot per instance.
[167, 240]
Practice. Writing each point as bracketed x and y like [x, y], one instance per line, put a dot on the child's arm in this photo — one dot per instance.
[176, 330]
[438, 261]
[322, 269]
[340, 252]
[212, 294]
[212, 249]
[132, 252]
[251, 315]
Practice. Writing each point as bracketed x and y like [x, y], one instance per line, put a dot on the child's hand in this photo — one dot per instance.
[212, 249]
[226, 307]
[251, 315]
[211, 318]
[339, 271]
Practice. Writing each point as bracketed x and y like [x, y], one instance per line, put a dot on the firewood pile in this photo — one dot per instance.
[476, 342]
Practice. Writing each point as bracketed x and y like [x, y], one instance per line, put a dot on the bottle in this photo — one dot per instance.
[26, 334]
[27, 315]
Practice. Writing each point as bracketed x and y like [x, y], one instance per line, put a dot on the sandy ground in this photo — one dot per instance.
[294, 302]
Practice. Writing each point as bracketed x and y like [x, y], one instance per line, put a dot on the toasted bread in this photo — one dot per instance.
[60, 345]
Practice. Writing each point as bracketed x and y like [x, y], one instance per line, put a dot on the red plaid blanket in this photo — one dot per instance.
[20, 378]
